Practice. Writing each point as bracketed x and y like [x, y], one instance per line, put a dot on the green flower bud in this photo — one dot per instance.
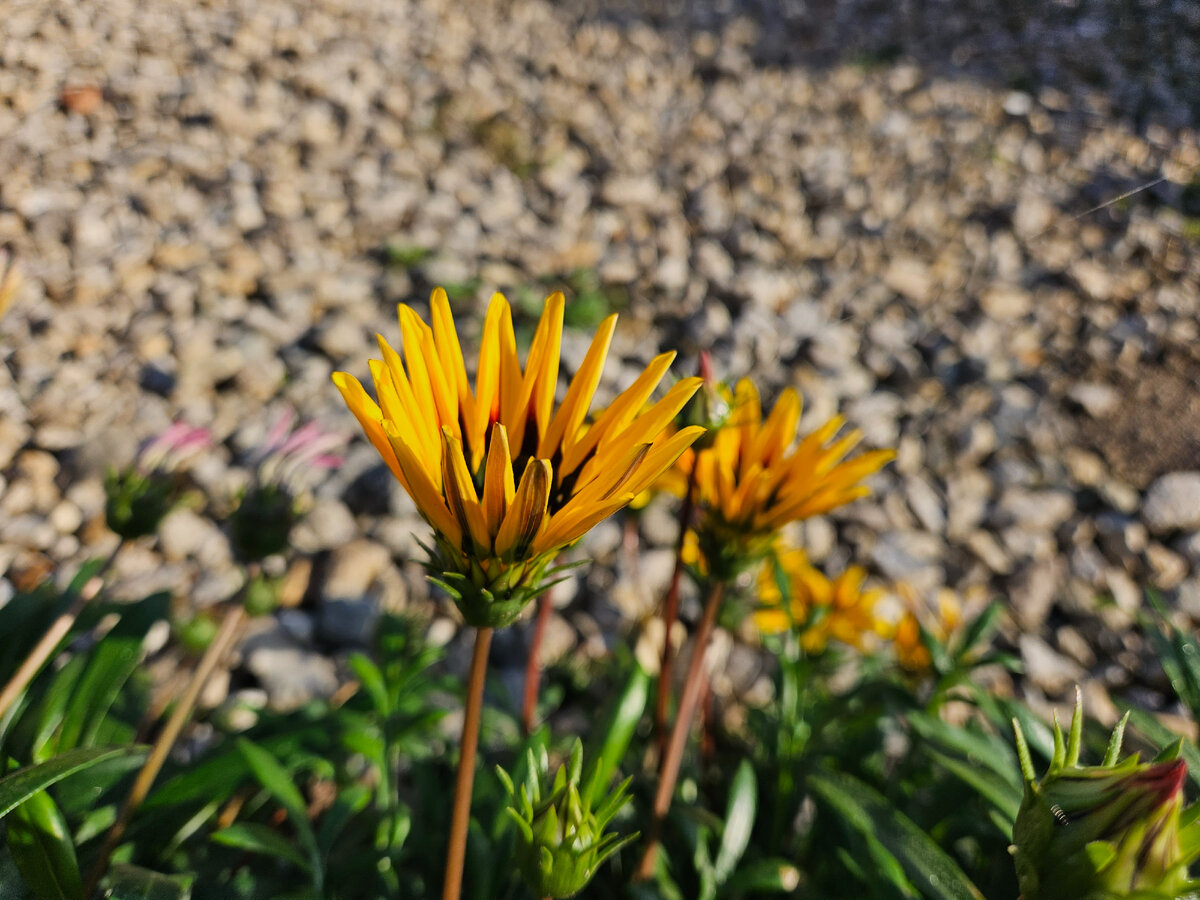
[710, 408]
[262, 595]
[561, 841]
[136, 502]
[263, 521]
[1102, 832]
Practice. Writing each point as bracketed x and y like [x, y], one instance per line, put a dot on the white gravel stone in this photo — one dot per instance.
[1173, 503]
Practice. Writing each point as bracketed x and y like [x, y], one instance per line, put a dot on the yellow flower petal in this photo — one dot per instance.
[564, 426]
[460, 492]
[663, 454]
[370, 418]
[566, 527]
[527, 512]
[498, 486]
[421, 488]
[487, 377]
[541, 369]
[620, 413]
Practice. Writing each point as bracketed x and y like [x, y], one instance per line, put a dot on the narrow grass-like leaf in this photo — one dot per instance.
[126, 882]
[617, 734]
[739, 821]
[989, 750]
[765, 876]
[997, 791]
[870, 814]
[18, 787]
[41, 845]
[373, 683]
[256, 838]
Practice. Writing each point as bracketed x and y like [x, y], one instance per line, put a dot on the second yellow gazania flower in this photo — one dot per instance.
[752, 478]
[458, 451]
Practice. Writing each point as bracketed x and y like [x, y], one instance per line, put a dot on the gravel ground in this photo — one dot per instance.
[887, 205]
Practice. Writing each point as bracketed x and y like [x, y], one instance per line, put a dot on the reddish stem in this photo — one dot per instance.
[465, 782]
[669, 773]
[670, 613]
[533, 665]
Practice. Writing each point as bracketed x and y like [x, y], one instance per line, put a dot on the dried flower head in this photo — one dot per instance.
[138, 497]
[285, 464]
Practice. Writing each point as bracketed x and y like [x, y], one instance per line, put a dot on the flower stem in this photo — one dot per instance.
[533, 666]
[669, 773]
[166, 740]
[670, 614]
[464, 784]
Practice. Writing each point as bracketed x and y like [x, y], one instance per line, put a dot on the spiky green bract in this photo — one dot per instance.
[487, 601]
[1102, 832]
[561, 840]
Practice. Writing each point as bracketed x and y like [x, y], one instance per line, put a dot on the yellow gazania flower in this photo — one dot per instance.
[817, 608]
[458, 451]
[751, 481]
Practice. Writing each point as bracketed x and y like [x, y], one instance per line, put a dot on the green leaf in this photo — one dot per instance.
[617, 734]
[278, 782]
[871, 815]
[739, 820]
[373, 683]
[126, 882]
[765, 876]
[981, 628]
[990, 750]
[112, 662]
[18, 787]
[41, 845]
[256, 838]
[997, 791]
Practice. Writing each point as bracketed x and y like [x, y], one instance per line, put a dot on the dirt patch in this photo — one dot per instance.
[1155, 428]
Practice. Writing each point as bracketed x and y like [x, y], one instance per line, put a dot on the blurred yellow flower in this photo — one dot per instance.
[907, 641]
[10, 281]
[458, 451]
[817, 608]
[751, 480]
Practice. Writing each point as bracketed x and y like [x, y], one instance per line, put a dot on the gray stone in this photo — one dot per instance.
[289, 673]
[912, 557]
[1173, 503]
[347, 623]
[1047, 668]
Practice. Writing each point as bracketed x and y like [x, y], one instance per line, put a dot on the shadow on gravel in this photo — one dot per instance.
[1142, 58]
